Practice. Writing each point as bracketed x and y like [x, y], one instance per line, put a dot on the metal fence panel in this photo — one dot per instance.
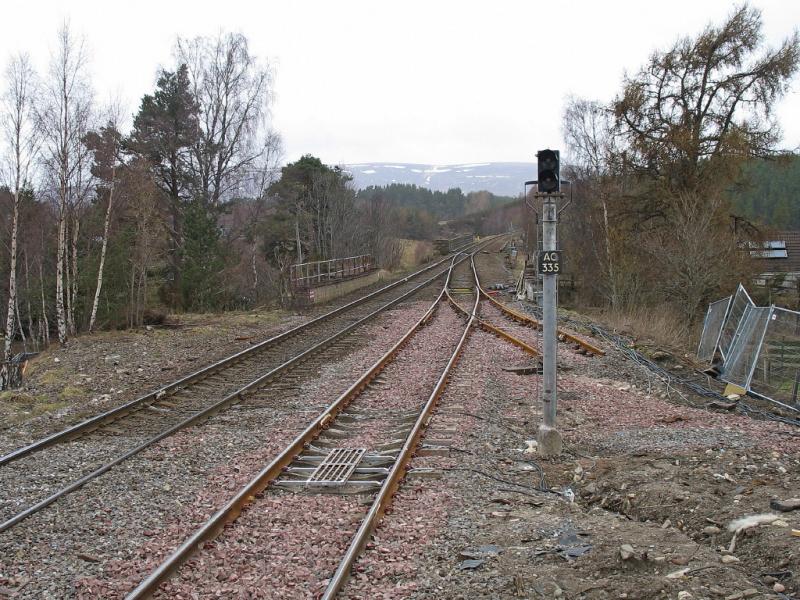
[739, 364]
[741, 301]
[777, 369]
[712, 328]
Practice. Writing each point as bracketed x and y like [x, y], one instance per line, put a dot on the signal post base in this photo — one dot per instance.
[549, 441]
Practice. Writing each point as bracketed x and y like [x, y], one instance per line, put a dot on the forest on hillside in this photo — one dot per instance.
[416, 211]
[768, 192]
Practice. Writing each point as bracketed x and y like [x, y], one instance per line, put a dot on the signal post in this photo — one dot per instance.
[549, 265]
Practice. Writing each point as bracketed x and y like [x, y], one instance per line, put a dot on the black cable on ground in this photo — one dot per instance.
[505, 481]
[667, 376]
[537, 466]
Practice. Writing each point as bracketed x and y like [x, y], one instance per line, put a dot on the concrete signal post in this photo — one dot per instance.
[549, 265]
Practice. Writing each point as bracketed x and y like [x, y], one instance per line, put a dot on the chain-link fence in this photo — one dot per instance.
[738, 365]
[776, 372]
[712, 329]
[741, 300]
[759, 346]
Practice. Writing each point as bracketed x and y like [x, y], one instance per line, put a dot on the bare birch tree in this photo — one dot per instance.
[106, 146]
[233, 90]
[63, 119]
[587, 126]
[20, 141]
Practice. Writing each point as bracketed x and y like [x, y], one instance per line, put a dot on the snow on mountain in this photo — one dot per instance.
[500, 178]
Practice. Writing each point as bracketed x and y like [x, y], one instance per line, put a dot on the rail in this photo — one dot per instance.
[233, 508]
[398, 471]
[517, 316]
[230, 399]
[164, 391]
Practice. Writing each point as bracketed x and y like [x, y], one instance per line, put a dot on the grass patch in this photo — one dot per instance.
[70, 392]
[52, 377]
[18, 407]
[653, 327]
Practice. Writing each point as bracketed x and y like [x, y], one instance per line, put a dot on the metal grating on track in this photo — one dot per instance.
[337, 467]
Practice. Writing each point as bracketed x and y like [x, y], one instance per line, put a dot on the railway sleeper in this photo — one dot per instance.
[368, 460]
[347, 488]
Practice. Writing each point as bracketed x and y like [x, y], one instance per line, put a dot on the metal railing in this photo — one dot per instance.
[321, 272]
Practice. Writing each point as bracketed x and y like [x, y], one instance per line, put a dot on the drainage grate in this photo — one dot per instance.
[337, 467]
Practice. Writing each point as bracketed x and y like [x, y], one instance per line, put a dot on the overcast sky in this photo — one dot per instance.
[431, 81]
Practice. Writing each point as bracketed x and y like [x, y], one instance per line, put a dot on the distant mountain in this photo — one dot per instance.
[499, 178]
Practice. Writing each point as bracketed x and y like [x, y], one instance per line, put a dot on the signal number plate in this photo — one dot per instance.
[550, 262]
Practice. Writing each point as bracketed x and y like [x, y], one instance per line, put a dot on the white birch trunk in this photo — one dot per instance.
[611, 275]
[297, 236]
[102, 253]
[46, 330]
[61, 316]
[72, 291]
[5, 371]
[254, 268]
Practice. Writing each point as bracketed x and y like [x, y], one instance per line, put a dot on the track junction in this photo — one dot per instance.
[339, 439]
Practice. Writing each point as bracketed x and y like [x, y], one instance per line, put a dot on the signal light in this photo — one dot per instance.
[547, 163]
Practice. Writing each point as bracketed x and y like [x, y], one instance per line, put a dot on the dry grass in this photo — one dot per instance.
[415, 252]
[660, 328]
[17, 407]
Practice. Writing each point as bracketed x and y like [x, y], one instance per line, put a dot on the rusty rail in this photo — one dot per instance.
[485, 325]
[398, 471]
[233, 508]
[530, 321]
[121, 411]
[230, 399]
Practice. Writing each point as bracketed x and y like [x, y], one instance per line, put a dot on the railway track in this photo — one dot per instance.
[500, 311]
[361, 444]
[97, 445]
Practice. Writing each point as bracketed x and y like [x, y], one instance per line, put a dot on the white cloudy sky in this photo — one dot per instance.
[434, 81]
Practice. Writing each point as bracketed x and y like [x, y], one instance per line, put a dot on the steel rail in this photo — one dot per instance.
[121, 411]
[230, 399]
[488, 326]
[233, 508]
[392, 482]
[517, 316]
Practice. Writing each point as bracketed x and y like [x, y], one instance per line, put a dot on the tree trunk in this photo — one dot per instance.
[254, 268]
[61, 316]
[73, 269]
[611, 275]
[19, 324]
[46, 332]
[102, 253]
[28, 302]
[5, 370]
[297, 238]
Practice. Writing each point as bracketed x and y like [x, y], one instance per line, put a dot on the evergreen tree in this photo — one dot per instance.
[164, 131]
[203, 260]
